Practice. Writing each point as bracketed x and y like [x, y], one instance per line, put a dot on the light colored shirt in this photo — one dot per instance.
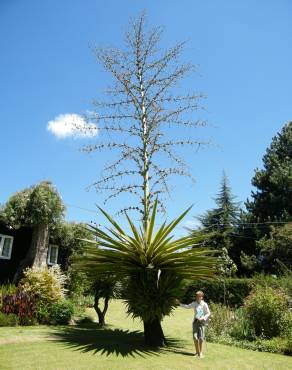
[201, 310]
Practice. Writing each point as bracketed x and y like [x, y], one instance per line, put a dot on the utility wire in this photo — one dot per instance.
[84, 209]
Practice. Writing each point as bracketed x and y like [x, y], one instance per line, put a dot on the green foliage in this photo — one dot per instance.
[235, 328]
[42, 313]
[39, 204]
[249, 262]
[218, 224]
[274, 345]
[46, 284]
[242, 328]
[286, 325]
[146, 297]
[220, 322]
[61, 312]
[266, 308]
[225, 216]
[10, 319]
[151, 264]
[231, 291]
[78, 283]
[106, 287]
[69, 237]
[278, 246]
[282, 282]
[273, 198]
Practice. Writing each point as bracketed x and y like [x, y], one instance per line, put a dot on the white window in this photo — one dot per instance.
[6, 242]
[53, 254]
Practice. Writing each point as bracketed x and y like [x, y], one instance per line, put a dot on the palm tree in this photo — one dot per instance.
[151, 264]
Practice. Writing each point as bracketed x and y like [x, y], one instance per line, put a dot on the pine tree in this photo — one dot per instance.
[273, 199]
[225, 216]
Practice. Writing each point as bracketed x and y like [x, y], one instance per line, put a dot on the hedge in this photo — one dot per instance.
[231, 291]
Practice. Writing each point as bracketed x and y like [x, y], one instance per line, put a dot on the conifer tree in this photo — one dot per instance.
[272, 201]
[224, 217]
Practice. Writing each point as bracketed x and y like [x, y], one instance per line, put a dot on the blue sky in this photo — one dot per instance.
[47, 69]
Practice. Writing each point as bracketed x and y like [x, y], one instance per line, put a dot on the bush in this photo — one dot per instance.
[220, 321]
[286, 325]
[21, 304]
[242, 327]
[46, 284]
[6, 289]
[78, 282]
[8, 319]
[55, 313]
[266, 308]
[230, 291]
[61, 312]
[283, 282]
[289, 344]
[275, 345]
[42, 314]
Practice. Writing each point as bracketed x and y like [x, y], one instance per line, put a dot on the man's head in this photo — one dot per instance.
[199, 296]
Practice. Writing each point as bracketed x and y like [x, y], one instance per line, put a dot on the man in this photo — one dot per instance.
[202, 314]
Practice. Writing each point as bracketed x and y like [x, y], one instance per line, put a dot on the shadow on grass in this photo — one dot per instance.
[88, 337]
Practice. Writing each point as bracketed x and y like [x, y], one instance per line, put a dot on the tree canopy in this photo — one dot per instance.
[272, 199]
[38, 204]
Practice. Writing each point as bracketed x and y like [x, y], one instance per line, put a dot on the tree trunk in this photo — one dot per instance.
[37, 254]
[153, 333]
[101, 313]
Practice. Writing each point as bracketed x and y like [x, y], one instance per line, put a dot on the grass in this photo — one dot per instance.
[120, 346]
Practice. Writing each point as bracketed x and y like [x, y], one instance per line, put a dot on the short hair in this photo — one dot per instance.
[199, 292]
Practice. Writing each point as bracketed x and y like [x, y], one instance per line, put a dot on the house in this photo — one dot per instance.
[14, 246]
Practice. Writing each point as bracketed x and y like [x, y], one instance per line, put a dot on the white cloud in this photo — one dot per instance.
[71, 125]
[192, 224]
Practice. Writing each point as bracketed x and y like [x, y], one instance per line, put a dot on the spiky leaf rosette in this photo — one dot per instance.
[152, 264]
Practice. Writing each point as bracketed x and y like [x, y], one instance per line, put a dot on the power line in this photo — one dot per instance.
[248, 223]
[84, 209]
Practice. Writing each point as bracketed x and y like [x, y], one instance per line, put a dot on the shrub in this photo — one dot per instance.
[242, 327]
[61, 312]
[289, 344]
[274, 345]
[42, 314]
[8, 319]
[230, 291]
[283, 282]
[286, 325]
[220, 322]
[78, 283]
[265, 309]
[6, 289]
[81, 302]
[46, 284]
[21, 304]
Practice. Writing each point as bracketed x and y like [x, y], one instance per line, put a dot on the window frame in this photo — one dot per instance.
[4, 236]
[49, 255]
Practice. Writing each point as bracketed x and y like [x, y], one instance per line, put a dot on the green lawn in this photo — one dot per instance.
[120, 346]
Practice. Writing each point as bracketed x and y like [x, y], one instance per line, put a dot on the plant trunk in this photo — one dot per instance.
[37, 254]
[153, 333]
[101, 313]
